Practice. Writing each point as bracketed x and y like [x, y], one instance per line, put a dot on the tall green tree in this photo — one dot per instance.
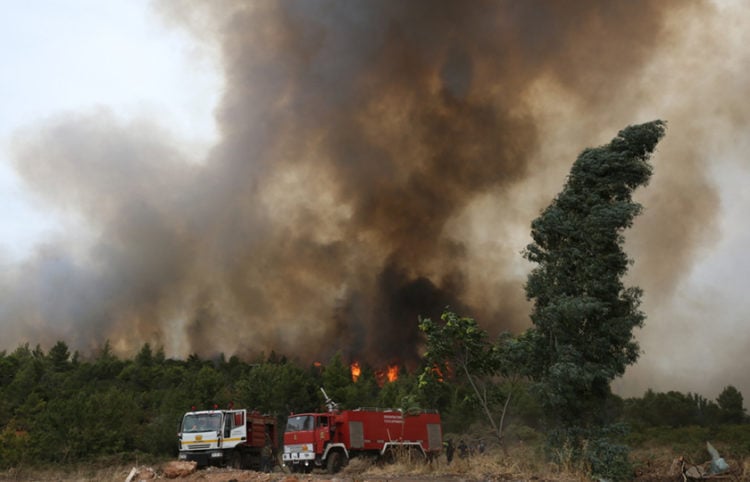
[583, 316]
[59, 357]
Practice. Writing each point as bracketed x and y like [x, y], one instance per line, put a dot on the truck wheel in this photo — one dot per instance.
[389, 457]
[334, 462]
[235, 460]
[417, 455]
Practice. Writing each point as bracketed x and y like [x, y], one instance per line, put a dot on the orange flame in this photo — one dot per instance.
[356, 371]
[388, 374]
[317, 364]
[438, 373]
[392, 373]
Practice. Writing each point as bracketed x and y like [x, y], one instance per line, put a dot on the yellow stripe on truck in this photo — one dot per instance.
[206, 441]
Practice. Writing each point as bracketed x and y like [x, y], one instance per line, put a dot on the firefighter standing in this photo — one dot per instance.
[449, 449]
[463, 449]
[266, 455]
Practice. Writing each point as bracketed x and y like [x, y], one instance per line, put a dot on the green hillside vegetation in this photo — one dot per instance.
[58, 407]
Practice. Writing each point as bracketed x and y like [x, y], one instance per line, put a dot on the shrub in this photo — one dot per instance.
[608, 460]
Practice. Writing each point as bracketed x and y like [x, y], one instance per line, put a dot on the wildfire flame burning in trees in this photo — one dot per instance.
[388, 374]
[438, 373]
[392, 373]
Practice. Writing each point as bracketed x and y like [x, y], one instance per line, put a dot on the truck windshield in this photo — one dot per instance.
[300, 422]
[201, 422]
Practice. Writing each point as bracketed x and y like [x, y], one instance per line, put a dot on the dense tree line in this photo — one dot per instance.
[60, 407]
[675, 409]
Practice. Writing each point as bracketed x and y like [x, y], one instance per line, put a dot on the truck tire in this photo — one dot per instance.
[334, 462]
[235, 460]
[417, 454]
[388, 457]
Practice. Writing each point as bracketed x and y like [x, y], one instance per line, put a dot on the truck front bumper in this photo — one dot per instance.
[203, 458]
[298, 456]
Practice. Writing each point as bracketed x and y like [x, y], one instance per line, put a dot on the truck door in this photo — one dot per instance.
[235, 430]
[322, 433]
[227, 426]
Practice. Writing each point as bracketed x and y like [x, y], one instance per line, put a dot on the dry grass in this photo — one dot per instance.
[521, 463]
[114, 468]
[68, 474]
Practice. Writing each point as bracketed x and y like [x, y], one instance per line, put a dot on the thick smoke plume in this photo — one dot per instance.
[378, 161]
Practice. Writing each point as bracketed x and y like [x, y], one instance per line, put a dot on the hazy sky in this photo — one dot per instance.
[66, 56]
[131, 77]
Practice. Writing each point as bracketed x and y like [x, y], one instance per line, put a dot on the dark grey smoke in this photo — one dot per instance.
[353, 136]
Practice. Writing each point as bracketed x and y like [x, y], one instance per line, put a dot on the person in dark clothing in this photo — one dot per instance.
[463, 449]
[266, 456]
[449, 449]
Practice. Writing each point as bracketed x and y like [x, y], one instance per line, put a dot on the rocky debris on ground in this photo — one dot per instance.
[138, 474]
[174, 469]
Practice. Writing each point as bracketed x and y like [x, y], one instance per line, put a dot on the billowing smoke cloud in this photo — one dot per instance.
[378, 161]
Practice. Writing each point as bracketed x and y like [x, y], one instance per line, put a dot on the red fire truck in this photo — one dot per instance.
[330, 439]
[227, 437]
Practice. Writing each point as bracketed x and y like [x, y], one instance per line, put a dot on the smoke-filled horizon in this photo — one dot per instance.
[376, 162]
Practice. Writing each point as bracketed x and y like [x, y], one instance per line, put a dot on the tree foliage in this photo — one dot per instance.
[671, 409]
[731, 409]
[583, 316]
[459, 347]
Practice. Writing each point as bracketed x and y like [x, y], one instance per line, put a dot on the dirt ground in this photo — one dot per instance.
[228, 475]
[656, 469]
[518, 465]
[355, 472]
[215, 474]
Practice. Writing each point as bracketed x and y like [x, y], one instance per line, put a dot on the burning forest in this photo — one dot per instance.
[389, 374]
[376, 162]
